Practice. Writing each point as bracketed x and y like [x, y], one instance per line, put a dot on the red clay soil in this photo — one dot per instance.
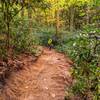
[44, 79]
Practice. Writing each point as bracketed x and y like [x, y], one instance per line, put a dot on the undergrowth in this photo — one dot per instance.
[84, 50]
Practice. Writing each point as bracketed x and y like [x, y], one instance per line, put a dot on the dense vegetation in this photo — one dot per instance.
[73, 26]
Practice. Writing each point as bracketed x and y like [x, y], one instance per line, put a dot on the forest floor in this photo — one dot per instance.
[44, 79]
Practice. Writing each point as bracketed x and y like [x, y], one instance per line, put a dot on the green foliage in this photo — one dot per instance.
[22, 40]
[45, 35]
[84, 49]
[82, 46]
[3, 52]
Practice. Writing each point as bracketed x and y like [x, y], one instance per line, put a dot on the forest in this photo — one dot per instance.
[49, 49]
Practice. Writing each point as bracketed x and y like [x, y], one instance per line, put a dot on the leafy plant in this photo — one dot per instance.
[84, 49]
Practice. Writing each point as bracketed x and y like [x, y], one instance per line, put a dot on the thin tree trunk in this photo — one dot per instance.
[46, 19]
[72, 13]
[7, 25]
[57, 22]
[22, 12]
[87, 15]
[30, 16]
[97, 17]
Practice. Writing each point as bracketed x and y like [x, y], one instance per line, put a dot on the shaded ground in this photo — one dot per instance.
[45, 79]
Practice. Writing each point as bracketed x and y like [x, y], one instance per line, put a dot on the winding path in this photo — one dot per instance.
[45, 79]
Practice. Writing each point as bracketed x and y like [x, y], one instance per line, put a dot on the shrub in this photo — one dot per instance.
[84, 49]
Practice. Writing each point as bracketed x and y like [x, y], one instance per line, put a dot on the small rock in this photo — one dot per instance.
[53, 95]
[44, 79]
[46, 88]
[26, 87]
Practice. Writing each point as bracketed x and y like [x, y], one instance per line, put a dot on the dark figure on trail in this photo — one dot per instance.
[52, 42]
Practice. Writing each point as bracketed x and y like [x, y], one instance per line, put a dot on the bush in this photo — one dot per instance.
[84, 49]
[22, 40]
[45, 35]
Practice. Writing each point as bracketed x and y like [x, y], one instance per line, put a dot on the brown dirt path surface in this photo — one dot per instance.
[45, 79]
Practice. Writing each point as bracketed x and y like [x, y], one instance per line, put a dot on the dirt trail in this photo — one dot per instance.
[46, 79]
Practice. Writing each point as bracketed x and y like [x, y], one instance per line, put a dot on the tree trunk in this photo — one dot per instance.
[87, 16]
[30, 16]
[22, 14]
[57, 22]
[7, 18]
[22, 11]
[72, 13]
